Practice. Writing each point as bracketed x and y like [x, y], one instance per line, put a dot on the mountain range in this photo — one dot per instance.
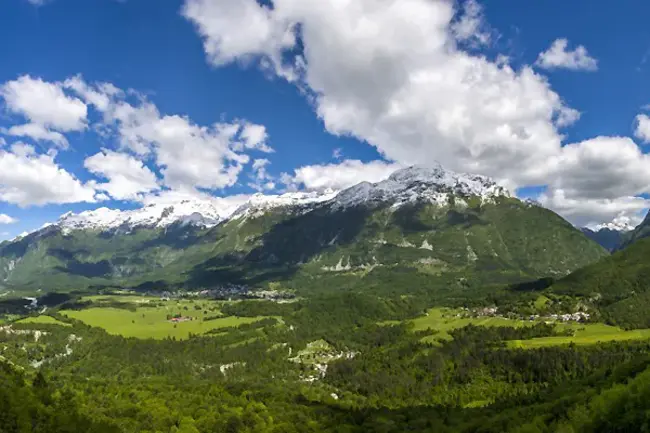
[420, 228]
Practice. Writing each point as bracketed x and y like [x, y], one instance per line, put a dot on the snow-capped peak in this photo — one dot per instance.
[433, 184]
[196, 212]
[200, 213]
[260, 203]
[619, 224]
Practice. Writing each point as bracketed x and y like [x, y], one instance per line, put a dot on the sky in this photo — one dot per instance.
[119, 104]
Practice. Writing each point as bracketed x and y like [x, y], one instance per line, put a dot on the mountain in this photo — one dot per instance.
[611, 236]
[422, 228]
[617, 286]
[639, 232]
[610, 239]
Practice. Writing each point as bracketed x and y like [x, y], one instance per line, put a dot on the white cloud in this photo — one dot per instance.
[44, 103]
[253, 137]
[590, 212]
[481, 119]
[262, 180]
[601, 167]
[188, 155]
[99, 97]
[409, 89]
[6, 219]
[225, 40]
[339, 176]
[337, 153]
[642, 130]
[471, 24]
[597, 180]
[38, 132]
[27, 178]
[128, 177]
[558, 57]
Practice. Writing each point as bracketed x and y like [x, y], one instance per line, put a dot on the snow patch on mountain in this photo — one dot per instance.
[431, 184]
[258, 204]
[195, 212]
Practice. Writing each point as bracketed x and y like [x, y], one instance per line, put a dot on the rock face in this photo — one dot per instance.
[423, 225]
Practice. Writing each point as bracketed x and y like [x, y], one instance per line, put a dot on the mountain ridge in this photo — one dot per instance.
[421, 227]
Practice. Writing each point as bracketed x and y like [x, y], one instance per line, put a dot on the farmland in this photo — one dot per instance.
[152, 318]
[41, 320]
[445, 320]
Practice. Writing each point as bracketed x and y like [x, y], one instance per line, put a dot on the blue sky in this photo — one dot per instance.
[336, 100]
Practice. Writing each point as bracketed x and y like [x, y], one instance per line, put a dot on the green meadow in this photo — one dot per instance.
[589, 333]
[42, 320]
[444, 320]
[150, 317]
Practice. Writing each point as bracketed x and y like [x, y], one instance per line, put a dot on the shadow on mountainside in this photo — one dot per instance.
[177, 237]
[283, 248]
[73, 266]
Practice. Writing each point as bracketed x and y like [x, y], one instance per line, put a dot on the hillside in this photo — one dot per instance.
[640, 232]
[419, 229]
[610, 239]
[618, 285]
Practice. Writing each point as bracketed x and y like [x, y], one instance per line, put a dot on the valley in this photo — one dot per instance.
[431, 299]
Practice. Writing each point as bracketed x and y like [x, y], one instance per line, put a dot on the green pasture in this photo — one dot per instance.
[152, 321]
[42, 320]
[590, 333]
[445, 320]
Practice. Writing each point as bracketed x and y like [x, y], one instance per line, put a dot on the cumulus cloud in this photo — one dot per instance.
[128, 177]
[44, 103]
[590, 212]
[405, 85]
[642, 131]
[38, 132]
[253, 137]
[601, 167]
[338, 176]
[6, 219]
[27, 178]
[559, 57]
[190, 158]
[188, 155]
[471, 25]
[480, 120]
[261, 179]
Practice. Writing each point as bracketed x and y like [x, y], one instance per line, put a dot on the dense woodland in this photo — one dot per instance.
[397, 382]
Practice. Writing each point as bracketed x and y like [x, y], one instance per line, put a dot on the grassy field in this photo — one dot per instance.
[42, 320]
[150, 319]
[445, 320]
[590, 333]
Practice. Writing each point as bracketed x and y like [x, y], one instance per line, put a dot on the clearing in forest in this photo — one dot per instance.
[42, 320]
[445, 320]
[588, 333]
[154, 319]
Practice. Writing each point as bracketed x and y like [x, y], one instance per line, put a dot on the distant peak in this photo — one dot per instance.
[431, 183]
